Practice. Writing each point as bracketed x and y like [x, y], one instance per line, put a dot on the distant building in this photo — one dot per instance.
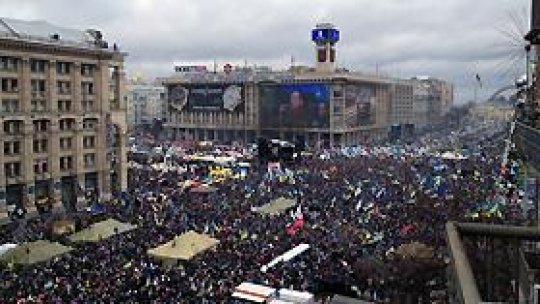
[320, 104]
[402, 110]
[62, 114]
[145, 104]
[421, 93]
[433, 98]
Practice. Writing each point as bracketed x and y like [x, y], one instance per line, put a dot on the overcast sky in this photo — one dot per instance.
[451, 39]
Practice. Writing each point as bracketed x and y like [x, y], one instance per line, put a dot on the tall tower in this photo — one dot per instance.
[325, 36]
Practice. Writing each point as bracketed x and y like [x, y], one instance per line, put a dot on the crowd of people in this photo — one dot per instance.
[357, 210]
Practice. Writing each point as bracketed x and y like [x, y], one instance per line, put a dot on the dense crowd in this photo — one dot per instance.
[357, 211]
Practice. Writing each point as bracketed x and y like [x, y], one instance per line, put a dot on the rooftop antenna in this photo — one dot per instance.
[292, 61]
[215, 66]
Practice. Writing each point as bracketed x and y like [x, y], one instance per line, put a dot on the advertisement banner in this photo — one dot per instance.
[206, 97]
[359, 105]
[295, 105]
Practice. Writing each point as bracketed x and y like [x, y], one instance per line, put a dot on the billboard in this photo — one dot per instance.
[190, 68]
[299, 105]
[206, 97]
[359, 105]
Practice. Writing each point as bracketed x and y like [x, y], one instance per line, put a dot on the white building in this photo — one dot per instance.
[402, 103]
[433, 99]
[145, 103]
[420, 104]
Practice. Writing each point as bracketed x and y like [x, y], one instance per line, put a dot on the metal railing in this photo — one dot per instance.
[527, 141]
[464, 286]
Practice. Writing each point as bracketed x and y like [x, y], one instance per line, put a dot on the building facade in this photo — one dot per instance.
[320, 105]
[320, 108]
[145, 103]
[421, 91]
[432, 100]
[402, 103]
[62, 115]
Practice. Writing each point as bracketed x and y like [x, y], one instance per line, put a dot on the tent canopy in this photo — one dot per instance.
[183, 247]
[101, 230]
[415, 250]
[253, 292]
[34, 252]
[203, 189]
[276, 206]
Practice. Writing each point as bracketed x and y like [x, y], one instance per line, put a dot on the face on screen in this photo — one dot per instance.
[296, 101]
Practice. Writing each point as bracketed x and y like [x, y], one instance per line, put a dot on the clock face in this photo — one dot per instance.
[232, 97]
[179, 97]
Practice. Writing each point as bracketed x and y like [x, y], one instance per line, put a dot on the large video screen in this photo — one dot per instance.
[295, 106]
[359, 105]
[206, 97]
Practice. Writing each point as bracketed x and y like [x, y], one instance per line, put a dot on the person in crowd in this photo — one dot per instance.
[357, 207]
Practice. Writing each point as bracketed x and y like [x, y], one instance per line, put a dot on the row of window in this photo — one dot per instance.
[41, 145]
[15, 127]
[40, 105]
[13, 169]
[11, 85]
[40, 66]
[39, 87]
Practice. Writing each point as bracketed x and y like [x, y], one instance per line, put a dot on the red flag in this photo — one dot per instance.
[295, 226]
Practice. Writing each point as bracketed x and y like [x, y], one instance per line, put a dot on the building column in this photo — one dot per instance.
[54, 161]
[28, 131]
[81, 191]
[28, 166]
[76, 90]
[205, 132]
[101, 82]
[79, 160]
[52, 106]
[121, 159]
[3, 206]
[25, 86]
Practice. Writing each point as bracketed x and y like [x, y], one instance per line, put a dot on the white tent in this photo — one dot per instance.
[6, 247]
[450, 155]
[293, 296]
[253, 292]
[287, 256]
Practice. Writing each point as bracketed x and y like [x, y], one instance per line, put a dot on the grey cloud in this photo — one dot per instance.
[449, 39]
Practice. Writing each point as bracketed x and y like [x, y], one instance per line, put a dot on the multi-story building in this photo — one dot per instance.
[432, 100]
[402, 103]
[421, 92]
[337, 108]
[319, 105]
[145, 103]
[62, 114]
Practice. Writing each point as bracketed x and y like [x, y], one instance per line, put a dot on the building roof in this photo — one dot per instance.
[278, 77]
[43, 32]
[40, 29]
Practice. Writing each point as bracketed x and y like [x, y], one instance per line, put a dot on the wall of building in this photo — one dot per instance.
[145, 103]
[433, 99]
[402, 103]
[56, 122]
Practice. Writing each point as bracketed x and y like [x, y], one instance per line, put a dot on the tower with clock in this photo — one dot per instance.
[325, 36]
